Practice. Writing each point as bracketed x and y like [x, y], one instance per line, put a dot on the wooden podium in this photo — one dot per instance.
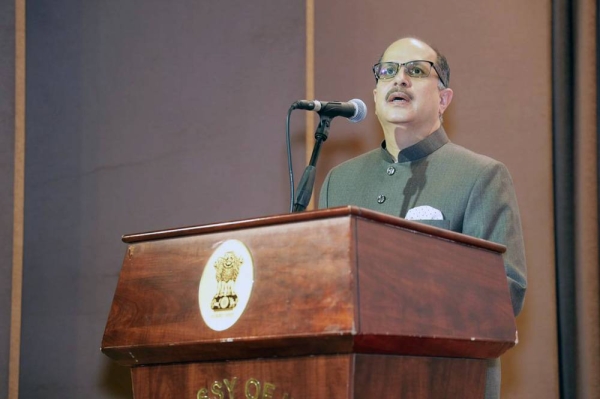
[344, 303]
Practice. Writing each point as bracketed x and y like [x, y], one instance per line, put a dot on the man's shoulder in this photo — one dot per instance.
[458, 154]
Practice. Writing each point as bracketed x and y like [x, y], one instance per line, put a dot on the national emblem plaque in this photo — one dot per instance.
[226, 285]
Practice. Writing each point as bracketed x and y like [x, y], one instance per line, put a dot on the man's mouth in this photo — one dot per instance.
[398, 97]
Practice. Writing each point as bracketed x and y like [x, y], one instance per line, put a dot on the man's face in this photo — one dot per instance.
[415, 103]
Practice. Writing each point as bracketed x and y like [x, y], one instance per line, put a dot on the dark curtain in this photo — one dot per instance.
[575, 140]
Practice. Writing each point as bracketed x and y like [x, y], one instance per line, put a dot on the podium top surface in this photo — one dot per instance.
[344, 211]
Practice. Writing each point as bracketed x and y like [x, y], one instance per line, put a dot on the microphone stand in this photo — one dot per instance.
[307, 182]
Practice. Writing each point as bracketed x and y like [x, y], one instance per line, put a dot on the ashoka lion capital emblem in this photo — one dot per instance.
[227, 269]
[226, 284]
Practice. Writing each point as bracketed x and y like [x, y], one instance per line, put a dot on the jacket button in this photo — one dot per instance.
[381, 199]
[391, 170]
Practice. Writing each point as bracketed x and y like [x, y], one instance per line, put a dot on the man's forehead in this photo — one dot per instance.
[409, 49]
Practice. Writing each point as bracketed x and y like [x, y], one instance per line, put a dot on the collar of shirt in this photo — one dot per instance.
[419, 150]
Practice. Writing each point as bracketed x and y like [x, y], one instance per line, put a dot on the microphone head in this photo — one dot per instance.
[361, 110]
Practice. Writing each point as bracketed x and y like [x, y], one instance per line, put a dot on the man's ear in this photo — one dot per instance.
[445, 99]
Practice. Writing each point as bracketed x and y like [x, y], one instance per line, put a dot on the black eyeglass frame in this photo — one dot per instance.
[432, 64]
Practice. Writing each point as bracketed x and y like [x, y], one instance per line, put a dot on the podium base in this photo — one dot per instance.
[316, 377]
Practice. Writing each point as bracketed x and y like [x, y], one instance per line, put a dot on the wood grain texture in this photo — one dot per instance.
[332, 377]
[302, 377]
[316, 215]
[302, 300]
[336, 283]
[425, 295]
[393, 377]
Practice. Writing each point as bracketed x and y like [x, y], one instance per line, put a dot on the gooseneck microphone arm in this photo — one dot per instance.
[307, 182]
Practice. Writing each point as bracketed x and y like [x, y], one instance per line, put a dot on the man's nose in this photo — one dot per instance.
[402, 78]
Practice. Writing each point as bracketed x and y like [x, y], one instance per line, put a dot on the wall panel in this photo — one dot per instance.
[499, 53]
[141, 116]
[7, 162]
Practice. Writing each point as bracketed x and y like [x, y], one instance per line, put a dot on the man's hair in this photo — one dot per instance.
[441, 66]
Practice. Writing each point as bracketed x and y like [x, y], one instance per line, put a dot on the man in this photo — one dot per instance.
[419, 174]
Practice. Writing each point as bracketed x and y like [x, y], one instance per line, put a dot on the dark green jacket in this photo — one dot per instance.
[474, 193]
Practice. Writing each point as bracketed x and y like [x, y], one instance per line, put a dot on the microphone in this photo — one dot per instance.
[355, 110]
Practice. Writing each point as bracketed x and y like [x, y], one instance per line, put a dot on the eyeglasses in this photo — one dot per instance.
[414, 69]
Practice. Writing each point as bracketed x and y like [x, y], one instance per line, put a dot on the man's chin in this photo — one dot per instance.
[399, 116]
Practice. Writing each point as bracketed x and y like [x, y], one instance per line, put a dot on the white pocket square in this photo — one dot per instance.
[424, 212]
